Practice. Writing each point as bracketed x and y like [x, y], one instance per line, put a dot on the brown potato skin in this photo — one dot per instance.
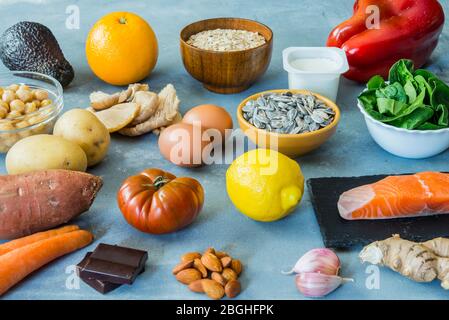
[41, 200]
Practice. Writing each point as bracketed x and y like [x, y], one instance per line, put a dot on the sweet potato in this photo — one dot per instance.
[41, 200]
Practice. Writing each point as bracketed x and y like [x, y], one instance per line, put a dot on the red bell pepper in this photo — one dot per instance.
[408, 29]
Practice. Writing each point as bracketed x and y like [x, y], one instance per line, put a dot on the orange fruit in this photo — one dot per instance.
[121, 48]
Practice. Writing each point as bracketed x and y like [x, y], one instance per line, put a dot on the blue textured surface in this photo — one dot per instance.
[264, 248]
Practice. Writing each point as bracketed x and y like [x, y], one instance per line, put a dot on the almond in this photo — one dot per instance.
[211, 262]
[187, 276]
[182, 266]
[218, 277]
[232, 288]
[221, 254]
[198, 265]
[213, 289]
[196, 286]
[226, 261]
[190, 256]
[236, 265]
[209, 250]
[229, 274]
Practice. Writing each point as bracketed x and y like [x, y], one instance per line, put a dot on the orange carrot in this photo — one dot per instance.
[19, 263]
[21, 242]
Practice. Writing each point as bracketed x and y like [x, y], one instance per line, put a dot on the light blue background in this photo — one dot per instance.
[264, 248]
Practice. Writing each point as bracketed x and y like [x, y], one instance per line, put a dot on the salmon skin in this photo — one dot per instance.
[420, 194]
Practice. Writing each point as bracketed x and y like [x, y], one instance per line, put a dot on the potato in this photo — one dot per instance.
[84, 128]
[43, 152]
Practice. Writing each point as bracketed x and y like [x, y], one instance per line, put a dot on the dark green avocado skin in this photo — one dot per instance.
[31, 46]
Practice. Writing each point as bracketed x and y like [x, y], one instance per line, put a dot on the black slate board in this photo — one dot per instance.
[340, 233]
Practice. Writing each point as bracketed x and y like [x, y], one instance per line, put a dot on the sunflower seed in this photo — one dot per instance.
[291, 114]
[276, 124]
[316, 118]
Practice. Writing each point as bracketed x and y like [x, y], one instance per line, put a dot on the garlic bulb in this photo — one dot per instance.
[317, 285]
[323, 261]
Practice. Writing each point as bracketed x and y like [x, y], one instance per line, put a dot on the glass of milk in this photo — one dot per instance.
[317, 69]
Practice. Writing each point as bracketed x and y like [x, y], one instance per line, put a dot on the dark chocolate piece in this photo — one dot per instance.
[101, 286]
[114, 264]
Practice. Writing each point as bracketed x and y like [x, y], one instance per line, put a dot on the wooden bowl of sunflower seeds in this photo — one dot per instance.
[293, 122]
[226, 54]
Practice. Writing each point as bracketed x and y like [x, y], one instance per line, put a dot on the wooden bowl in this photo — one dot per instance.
[229, 71]
[292, 145]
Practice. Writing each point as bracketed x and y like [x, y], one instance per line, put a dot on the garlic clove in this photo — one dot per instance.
[320, 260]
[316, 285]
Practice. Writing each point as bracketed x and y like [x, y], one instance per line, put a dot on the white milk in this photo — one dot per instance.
[314, 64]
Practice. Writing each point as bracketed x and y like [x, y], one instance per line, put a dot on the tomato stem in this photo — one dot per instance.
[158, 183]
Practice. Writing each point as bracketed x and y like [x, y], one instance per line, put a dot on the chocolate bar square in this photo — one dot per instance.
[101, 286]
[114, 264]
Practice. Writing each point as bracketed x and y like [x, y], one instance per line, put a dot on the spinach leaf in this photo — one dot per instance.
[443, 115]
[410, 91]
[430, 126]
[401, 72]
[390, 106]
[440, 94]
[424, 85]
[368, 99]
[438, 90]
[415, 119]
[393, 91]
[376, 82]
[426, 74]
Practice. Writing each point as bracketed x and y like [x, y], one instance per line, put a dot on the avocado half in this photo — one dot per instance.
[31, 46]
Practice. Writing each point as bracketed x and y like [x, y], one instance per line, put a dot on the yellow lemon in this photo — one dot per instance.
[264, 184]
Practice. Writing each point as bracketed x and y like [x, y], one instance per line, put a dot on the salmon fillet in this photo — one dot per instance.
[425, 193]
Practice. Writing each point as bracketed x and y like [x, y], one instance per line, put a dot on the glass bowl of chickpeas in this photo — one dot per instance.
[30, 104]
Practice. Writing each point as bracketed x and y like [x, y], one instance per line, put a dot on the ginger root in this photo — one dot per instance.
[421, 262]
[166, 113]
[100, 100]
[148, 102]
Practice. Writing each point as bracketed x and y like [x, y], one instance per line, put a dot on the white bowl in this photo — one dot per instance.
[412, 144]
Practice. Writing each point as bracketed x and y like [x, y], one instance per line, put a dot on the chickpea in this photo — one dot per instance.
[22, 124]
[24, 87]
[24, 95]
[45, 103]
[4, 105]
[30, 107]
[13, 87]
[8, 96]
[6, 126]
[35, 119]
[37, 103]
[13, 114]
[40, 94]
[17, 105]
[3, 113]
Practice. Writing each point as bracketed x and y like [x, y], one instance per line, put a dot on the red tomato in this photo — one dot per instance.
[157, 202]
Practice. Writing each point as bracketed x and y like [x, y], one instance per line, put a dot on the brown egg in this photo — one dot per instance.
[183, 144]
[211, 116]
